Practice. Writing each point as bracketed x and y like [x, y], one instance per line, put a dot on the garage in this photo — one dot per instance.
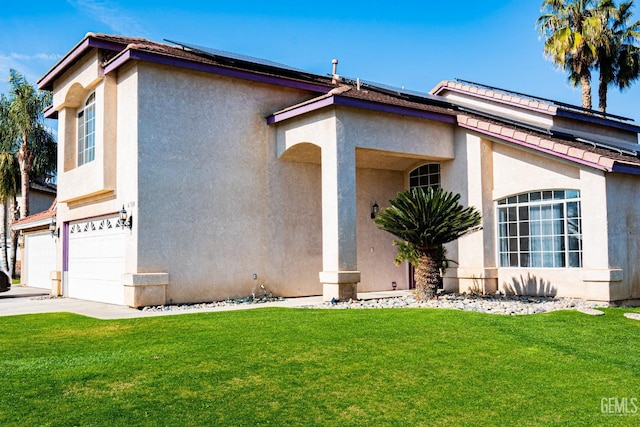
[96, 260]
[39, 259]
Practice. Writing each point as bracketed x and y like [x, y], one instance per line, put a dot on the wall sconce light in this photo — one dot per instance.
[53, 227]
[124, 219]
[374, 210]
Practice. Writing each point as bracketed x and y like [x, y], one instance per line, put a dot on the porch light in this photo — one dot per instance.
[374, 210]
[124, 219]
[53, 227]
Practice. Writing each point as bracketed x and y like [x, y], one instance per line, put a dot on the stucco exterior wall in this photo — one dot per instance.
[376, 253]
[624, 233]
[98, 177]
[39, 201]
[470, 175]
[516, 171]
[215, 205]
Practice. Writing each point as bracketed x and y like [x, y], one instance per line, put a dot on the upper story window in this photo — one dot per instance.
[425, 176]
[87, 131]
[540, 229]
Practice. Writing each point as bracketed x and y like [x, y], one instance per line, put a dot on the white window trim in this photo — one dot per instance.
[516, 203]
[86, 128]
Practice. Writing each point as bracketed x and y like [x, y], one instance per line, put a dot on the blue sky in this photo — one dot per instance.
[414, 44]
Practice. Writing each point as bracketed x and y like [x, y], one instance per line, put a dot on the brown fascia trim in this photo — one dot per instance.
[625, 168]
[50, 113]
[131, 54]
[358, 103]
[46, 82]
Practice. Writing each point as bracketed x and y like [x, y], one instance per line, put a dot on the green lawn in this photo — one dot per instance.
[404, 367]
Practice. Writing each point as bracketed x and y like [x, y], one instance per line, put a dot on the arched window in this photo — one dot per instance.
[425, 176]
[541, 229]
[87, 131]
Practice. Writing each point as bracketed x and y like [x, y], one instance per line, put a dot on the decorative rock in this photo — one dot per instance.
[506, 305]
[634, 316]
[590, 311]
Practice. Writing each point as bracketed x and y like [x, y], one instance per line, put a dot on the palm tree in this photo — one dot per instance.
[570, 29]
[26, 105]
[618, 53]
[9, 178]
[9, 186]
[27, 152]
[426, 220]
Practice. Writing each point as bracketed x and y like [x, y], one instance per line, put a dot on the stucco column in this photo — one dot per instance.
[340, 274]
[476, 270]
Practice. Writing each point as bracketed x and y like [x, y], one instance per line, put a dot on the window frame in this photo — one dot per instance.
[540, 229]
[426, 175]
[86, 131]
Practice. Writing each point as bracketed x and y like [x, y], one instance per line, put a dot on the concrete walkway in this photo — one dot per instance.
[25, 300]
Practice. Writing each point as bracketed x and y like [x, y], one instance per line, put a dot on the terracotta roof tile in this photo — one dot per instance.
[495, 128]
[578, 153]
[532, 139]
[546, 143]
[508, 132]
[591, 157]
[608, 163]
[566, 148]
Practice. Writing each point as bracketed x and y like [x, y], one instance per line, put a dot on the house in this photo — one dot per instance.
[37, 249]
[188, 174]
[41, 249]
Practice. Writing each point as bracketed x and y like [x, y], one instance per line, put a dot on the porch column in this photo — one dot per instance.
[340, 275]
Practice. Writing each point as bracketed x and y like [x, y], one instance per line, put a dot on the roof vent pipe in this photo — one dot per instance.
[335, 78]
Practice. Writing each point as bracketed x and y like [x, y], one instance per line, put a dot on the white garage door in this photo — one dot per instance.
[39, 259]
[96, 261]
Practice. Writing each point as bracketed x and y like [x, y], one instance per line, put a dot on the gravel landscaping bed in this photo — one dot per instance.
[496, 304]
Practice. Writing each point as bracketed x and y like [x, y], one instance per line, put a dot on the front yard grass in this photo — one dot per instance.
[280, 367]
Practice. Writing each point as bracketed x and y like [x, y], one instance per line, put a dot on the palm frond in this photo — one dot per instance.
[428, 219]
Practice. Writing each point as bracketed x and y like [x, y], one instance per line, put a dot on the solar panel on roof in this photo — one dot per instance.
[406, 93]
[216, 53]
[562, 105]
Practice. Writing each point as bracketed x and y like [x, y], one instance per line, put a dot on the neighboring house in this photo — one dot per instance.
[37, 254]
[234, 173]
[41, 196]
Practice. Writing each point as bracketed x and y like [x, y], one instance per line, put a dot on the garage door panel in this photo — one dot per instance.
[96, 261]
[40, 259]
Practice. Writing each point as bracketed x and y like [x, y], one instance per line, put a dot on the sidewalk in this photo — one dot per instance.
[25, 300]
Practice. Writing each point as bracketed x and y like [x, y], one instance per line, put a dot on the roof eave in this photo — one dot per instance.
[362, 104]
[89, 42]
[625, 168]
[131, 54]
[500, 137]
[629, 127]
[33, 224]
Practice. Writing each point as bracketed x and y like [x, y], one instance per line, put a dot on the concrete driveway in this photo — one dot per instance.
[25, 300]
